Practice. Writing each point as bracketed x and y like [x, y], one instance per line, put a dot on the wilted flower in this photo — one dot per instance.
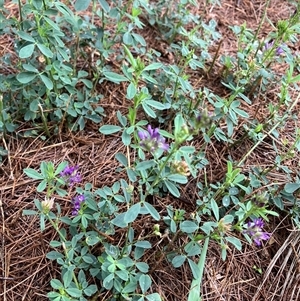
[224, 226]
[47, 204]
[71, 175]
[151, 140]
[77, 200]
[180, 167]
[255, 230]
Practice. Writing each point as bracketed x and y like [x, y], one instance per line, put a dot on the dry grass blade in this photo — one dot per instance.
[286, 266]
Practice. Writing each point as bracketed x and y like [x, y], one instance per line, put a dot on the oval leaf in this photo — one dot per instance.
[188, 227]
[291, 187]
[45, 50]
[132, 213]
[26, 51]
[115, 77]
[145, 283]
[25, 77]
[109, 129]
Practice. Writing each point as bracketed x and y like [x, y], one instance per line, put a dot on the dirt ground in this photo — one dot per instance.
[24, 270]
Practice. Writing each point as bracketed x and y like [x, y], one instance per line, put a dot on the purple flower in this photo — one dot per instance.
[151, 140]
[279, 51]
[71, 175]
[254, 229]
[77, 200]
[268, 45]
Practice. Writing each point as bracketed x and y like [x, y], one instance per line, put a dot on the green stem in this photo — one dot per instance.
[54, 225]
[287, 113]
[21, 14]
[262, 20]
[155, 182]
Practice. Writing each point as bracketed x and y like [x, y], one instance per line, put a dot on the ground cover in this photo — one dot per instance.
[86, 96]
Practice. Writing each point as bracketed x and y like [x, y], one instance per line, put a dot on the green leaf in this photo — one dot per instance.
[91, 240]
[226, 201]
[188, 226]
[109, 129]
[55, 243]
[108, 281]
[47, 81]
[295, 79]
[129, 288]
[123, 274]
[148, 110]
[54, 255]
[67, 277]
[145, 165]
[128, 39]
[42, 186]
[153, 212]
[87, 82]
[194, 293]
[90, 290]
[215, 209]
[56, 284]
[154, 297]
[178, 178]
[195, 269]
[143, 244]
[26, 51]
[235, 241]
[25, 36]
[122, 119]
[119, 221]
[26, 77]
[131, 91]
[126, 138]
[32, 173]
[178, 261]
[74, 292]
[55, 26]
[82, 4]
[30, 68]
[142, 266]
[45, 50]
[131, 175]
[145, 283]
[153, 66]
[132, 213]
[60, 167]
[104, 5]
[233, 191]
[29, 212]
[241, 112]
[115, 77]
[122, 159]
[291, 187]
[172, 188]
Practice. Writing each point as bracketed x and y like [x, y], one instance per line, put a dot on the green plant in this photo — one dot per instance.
[159, 160]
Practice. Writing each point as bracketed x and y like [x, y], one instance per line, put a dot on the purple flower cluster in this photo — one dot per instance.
[77, 200]
[255, 230]
[151, 140]
[71, 175]
[269, 45]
